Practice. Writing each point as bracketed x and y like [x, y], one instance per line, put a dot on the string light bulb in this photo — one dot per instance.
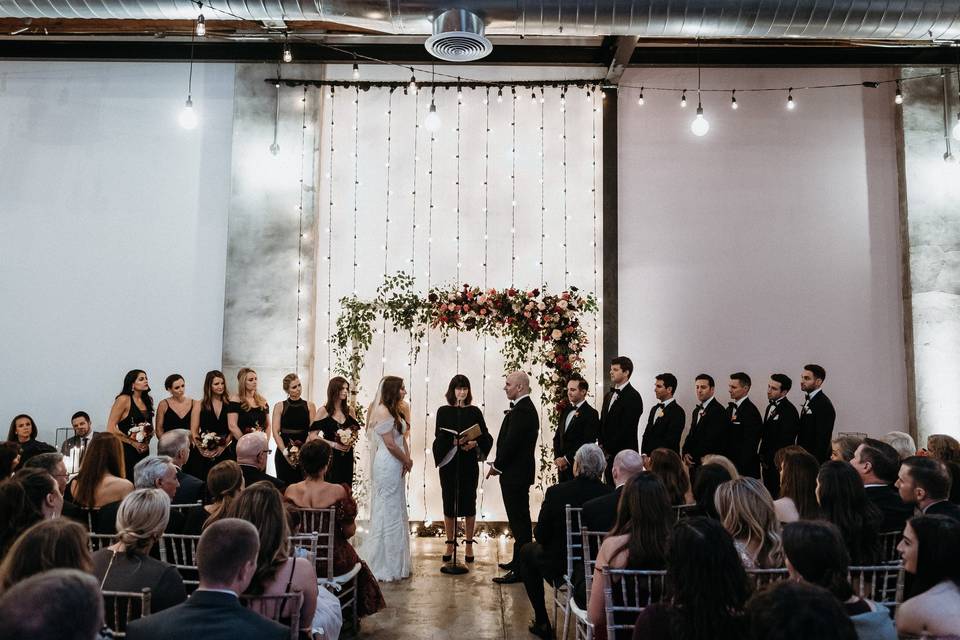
[356, 71]
[700, 125]
[533, 97]
[287, 53]
[640, 98]
[413, 83]
[790, 103]
[683, 99]
[733, 100]
[200, 28]
[500, 94]
[188, 117]
[898, 98]
[432, 121]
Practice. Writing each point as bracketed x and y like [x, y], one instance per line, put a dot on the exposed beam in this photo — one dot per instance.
[622, 53]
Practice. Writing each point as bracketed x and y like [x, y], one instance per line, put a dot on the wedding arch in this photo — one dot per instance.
[538, 330]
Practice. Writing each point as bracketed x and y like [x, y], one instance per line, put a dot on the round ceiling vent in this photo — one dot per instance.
[458, 37]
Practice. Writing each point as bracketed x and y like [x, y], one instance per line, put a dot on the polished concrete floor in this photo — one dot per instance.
[431, 604]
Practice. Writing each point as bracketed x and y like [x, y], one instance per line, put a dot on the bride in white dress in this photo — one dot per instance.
[387, 545]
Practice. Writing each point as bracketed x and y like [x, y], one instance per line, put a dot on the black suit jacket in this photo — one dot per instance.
[600, 514]
[709, 432]
[583, 428]
[210, 615]
[816, 426]
[252, 474]
[191, 488]
[944, 508]
[552, 524]
[780, 425]
[517, 443]
[746, 429]
[619, 423]
[665, 431]
[895, 511]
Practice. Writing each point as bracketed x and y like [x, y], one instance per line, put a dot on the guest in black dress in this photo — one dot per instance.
[174, 412]
[23, 431]
[248, 410]
[459, 461]
[293, 418]
[210, 416]
[131, 418]
[337, 415]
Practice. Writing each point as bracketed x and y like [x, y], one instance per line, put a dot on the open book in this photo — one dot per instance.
[467, 435]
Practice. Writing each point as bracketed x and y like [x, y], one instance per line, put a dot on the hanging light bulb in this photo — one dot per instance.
[683, 99]
[640, 98]
[533, 97]
[790, 103]
[432, 121]
[733, 100]
[188, 117]
[589, 95]
[542, 99]
[201, 27]
[955, 132]
[356, 71]
[699, 126]
[413, 84]
[500, 94]
[563, 100]
[287, 53]
[898, 99]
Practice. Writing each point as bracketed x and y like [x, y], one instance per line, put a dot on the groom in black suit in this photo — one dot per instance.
[579, 425]
[620, 415]
[516, 465]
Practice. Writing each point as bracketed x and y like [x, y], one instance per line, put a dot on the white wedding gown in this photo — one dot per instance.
[387, 545]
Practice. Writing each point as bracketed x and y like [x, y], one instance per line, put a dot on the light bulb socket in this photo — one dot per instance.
[699, 111]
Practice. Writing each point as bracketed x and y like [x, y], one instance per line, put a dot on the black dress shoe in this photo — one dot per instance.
[506, 566]
[511, 577]
[542, 630]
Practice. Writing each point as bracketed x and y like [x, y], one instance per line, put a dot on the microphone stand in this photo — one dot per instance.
[453, 567]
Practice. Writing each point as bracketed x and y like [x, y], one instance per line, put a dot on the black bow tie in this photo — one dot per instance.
[660, 405]
[699, 407]
[615, 391]
[513, 404]
[731, 405]
[806, 397]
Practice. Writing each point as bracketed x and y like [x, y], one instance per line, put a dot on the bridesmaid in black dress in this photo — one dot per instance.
[210, 416]
[292, 419]
[334, 416]
[174, 412]
[248, 410]
[131, 418]
[459, 465]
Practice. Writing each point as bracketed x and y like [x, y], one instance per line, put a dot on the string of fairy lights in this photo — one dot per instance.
[328, 258]
[300, 231]
[386, 227]
[426, 378]
[596, 249]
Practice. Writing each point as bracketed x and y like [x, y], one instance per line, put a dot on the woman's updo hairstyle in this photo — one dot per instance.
[142, 518]
[315, 456]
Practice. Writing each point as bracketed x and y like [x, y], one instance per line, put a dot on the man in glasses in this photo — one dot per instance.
[252, 452]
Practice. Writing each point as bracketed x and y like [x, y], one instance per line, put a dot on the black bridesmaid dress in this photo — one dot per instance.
[130, 455]
[172, 421]
[293, 429]
[249, 420]
[341, 467]
[199, 465]
[463, 471]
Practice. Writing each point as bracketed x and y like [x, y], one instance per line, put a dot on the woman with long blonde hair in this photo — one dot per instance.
[747, 513]
[248, 410]
[292, 419]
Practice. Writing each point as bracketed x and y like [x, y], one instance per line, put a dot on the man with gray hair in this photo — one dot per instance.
[61, 604]
[546, 559]
[176, 444]
[158, 472]
[600, 513]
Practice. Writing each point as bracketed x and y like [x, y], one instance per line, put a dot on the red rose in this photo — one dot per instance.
[511, 292]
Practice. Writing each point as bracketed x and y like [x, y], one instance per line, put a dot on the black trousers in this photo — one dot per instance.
[516, 502]
[771, 479]
[537, 565]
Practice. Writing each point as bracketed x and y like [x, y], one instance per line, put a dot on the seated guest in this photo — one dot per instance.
[23, 431]
[126, 565]
[224, 484]
[946, 449]
[176, 444]
[746, 512]
[902, 443]
[53, 464]
[816, 554]
[9, 458]
[159, 472]
[600, 514]
[723, 461]
[316, 493]
[878, 463]
[100, 485]
[277, 571]
[667, 465]
[844, 502]
[49, 544]
[30, 496]
[709, 477]
[798, 487]
[227, 560]
[62, 604]
[252, 451]
[843, 447]
[925, 483]
[798, 611]
[638, 541]
[706, 587]
[546, 559]
[80, 421]
[929, 551]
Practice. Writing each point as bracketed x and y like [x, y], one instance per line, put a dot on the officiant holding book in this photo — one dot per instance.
[461, 442]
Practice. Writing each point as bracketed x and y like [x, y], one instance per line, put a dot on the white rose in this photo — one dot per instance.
[541, 306]
[562, 304]
[557, 334]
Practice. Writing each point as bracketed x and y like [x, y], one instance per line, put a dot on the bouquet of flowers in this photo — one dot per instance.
[293, 453]
[210, 441]
[252, 429]
[141, 432]
[348, 437]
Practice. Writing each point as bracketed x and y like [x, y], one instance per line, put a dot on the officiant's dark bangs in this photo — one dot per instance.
[459, 381]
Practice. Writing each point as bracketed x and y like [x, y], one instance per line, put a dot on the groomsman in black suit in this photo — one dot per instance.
[516, 466]
[620, 415]
[780, 424]
[666, 419]
[578, 426]
[709, 431]
[817, 414]
[745, 426]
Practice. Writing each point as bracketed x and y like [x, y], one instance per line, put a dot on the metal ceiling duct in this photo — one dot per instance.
[843, 19]
[458, 37]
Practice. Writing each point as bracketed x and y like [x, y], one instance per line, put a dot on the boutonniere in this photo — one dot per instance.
[701, 413]
[808, 411]
[576, 414]
[776, 416]
[733, 418]
[659, 414]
